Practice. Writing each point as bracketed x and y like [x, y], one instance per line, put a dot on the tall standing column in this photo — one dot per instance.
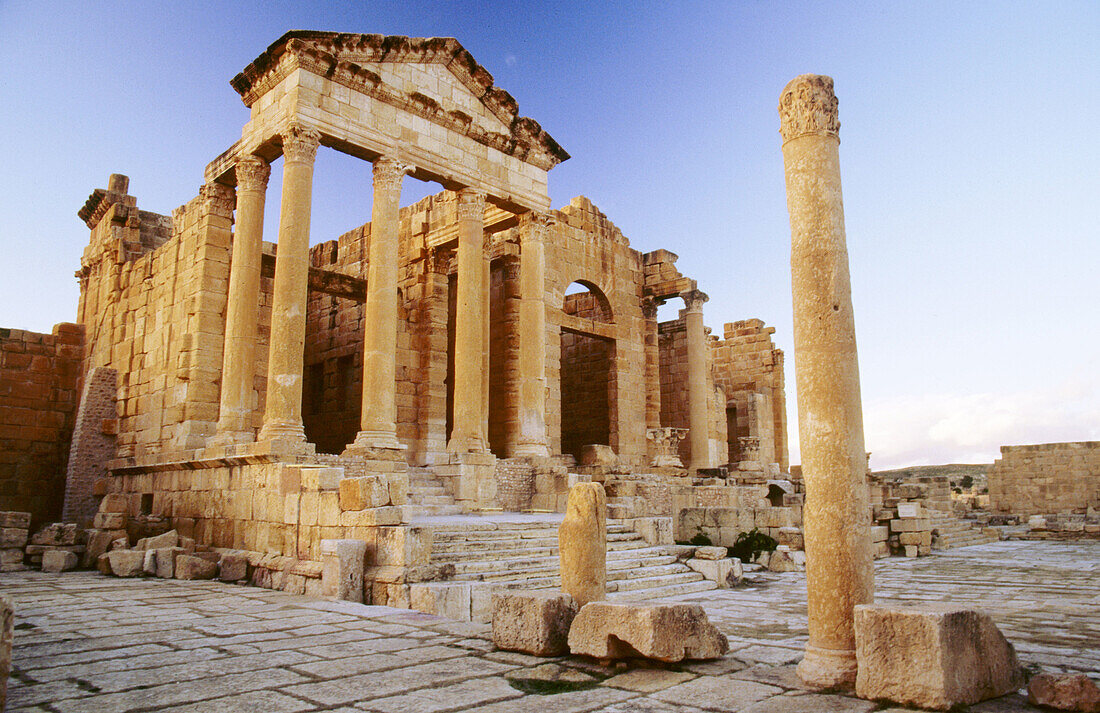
[532, 335]
[652, 364]
[243, 308]
[836, 516]
[378, 419]
[698, 423]
[283, 415]
[471, 327]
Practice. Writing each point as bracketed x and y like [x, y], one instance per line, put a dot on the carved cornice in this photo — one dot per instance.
[471, 204]
[252, 173]
[808, 106]
[694, 299]
[388, 173]
[336, 56]
[300, 143]
[218, 198]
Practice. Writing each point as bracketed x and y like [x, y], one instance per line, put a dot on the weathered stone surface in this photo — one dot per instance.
[109, 521]
[127, 563]
[15, 520]
[666, 632]
[166, 561]
[932, 656]
[7, 630]
[533, 622]
[1064, 692]
[103, 564]
[582, 542]
[11, 555]
[115, 502]
[13, 537]
[725, 572]
[58, 533]
[167, 539]
[342, 564]
[149, 564]
[781, 561]
[449, 599]
[233, 567]
[99, 542]
[192, 567]
[710, 553]
[58, 561]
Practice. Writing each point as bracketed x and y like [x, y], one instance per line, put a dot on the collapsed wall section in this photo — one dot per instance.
[39, 381]
[1046, 479]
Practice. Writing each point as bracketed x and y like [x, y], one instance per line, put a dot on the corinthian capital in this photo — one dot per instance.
[218, 197]
[808, 106]
[471, 204]
[535, 226]
[388, 173]
[693, 300]
[252, 173]
[300, 143]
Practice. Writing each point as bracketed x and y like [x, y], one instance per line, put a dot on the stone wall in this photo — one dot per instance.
[749, 368]
[673, 369]
[93, 444]
[39, 378]
[1046, 479]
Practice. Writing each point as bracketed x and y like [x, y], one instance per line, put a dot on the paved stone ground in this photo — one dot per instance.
[85, 642]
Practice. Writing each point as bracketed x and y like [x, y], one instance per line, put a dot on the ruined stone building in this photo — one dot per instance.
[267, 395]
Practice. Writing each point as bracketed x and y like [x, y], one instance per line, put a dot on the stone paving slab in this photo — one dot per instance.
[90, 643]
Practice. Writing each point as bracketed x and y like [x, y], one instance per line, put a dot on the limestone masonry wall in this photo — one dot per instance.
[1045, 479]
[39, 378]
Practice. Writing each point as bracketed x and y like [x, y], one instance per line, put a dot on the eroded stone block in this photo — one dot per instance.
[932, 656]
[167, 539]
[666, 632]
[533, 622]
[127, 563]
[58, 561]
[1064, 692]
[582, 543]
[342, 564]
[192, 567]
[7, 630]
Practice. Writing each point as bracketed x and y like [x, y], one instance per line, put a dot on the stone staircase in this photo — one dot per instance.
[427, 496]
[949, 532]
[518, 551]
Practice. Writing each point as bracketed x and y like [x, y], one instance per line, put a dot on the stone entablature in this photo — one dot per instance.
[1046, 479]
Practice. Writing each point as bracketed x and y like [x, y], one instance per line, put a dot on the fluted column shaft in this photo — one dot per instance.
[698, 425]
[378, 418]
[471, 327]
[283, 415]
[532, 336]
[243, 307]
[836, 516]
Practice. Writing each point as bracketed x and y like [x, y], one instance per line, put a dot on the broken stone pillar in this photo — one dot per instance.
[243, 307]
[836, 515]
[532, 337]
[471, 327]
[283, 415]
[698, 423]
[652, 364]
[582, 544]
[378, 419]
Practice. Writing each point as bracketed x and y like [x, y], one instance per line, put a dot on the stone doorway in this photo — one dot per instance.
[588, 374]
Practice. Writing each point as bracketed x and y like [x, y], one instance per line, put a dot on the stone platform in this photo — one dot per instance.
[89, 643]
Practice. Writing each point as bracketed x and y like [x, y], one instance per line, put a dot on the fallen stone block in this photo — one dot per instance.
[122, 543]
[666, 632]
[115, 502]
[449, 599]
[234, 568]
[149, 564]
[710, 553]
[58, 533]
[1064, 692]
[167, 539]
[781, 561]
[342, 563]
[58, 561]
[109, 521]
[166, 561]
[11, 555]
[99, 542]
[533, 622]
[127, 563]
[725, 572]
[13, 537]
[192, 567]
[103, 564]
[7, 631]
[933, 656]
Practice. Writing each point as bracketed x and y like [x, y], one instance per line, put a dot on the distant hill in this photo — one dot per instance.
[953, 471]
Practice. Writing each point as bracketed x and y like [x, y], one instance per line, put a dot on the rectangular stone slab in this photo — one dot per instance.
[533, 622]
[933, 656]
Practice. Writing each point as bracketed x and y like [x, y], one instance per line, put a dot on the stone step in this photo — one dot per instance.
[616, 569]
[673, 590]
[661, 580]
[462, 549]
[416, 511]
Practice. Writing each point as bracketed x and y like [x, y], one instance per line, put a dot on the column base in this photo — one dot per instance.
[282, 431]
[369, 440]
[531, 450]
[466, 444]
[828, 668]
[230, 438]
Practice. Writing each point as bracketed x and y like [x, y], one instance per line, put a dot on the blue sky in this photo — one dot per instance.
[969, 160]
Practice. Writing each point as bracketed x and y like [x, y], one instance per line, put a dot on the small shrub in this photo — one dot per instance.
[750, 544]
[700, 540]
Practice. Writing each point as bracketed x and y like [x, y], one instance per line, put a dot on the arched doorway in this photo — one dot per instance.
[588, 374]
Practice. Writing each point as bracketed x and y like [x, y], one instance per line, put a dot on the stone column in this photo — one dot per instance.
[471, 326]
[283, 415]
[378, 419]
[836, 516]
[696, 337]
[534, 228]
[652, 363]
[243, 308]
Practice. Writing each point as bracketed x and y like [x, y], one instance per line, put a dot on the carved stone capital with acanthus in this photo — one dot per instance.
[388, 174]
[808, 106]
[649, 307]
[471, 204]
[693, 300]
[536, 226]
[252, 173]
[218, 198]
[300, 143]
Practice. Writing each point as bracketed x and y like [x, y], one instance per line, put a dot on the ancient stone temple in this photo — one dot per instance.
[475, 351]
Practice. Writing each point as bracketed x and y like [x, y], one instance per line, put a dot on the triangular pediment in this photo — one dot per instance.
[434, 77]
